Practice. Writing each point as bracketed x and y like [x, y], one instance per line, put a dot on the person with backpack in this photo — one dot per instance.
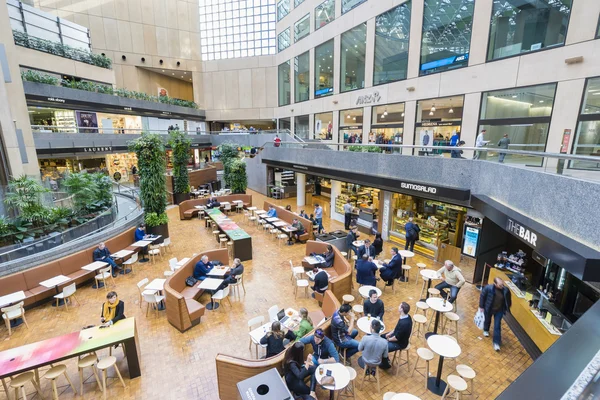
[412, 234]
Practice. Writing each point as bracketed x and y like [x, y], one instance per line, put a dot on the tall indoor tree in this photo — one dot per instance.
[180, 145]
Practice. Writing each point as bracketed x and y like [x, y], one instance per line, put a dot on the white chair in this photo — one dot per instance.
[301, 283]
[132, 260]
[236, 286]
[222, 295]
[171, 272]
[273, 313]
[239, 207]
[282, 238]
[13, 312]
[227, 208]
[296, 271]
[152, 299]
[166, 244]
[253, 324]
[104, 275]
[140, 285]
[154, 251]
[173, 263]
[67, 293]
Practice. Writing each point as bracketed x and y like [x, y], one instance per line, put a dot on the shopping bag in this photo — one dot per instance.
[479, 319]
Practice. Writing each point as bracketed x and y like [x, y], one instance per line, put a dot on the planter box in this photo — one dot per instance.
[179, 197]
[159, 230]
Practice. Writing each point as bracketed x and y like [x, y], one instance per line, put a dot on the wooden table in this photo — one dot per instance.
[211, 284]
[51, 351]
[437, 304]
[364, 324]
[94, 267]
[53, 283]
[242, 242]
[444, 347]
[364, 291]
[219, 272]
[340, 374]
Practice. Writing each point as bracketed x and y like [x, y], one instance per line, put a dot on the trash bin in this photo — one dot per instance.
[265, 386]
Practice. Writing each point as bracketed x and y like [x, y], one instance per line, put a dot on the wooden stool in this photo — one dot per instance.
[401, 361]
[422, 306]
[88, 361]
[348, 391]
[468, 374]
[457, 383]
[420, 320]
[425, 355]
[406, 269]
[449, 319]
[20, 381]
[223, 241]
[230, 248]
[433, 292]
[347, 299]
[358, 309]
[367, 377]
[216, 233]
[342, 353]
[105, 364]
[53, 373]
[423, 287]
[344, 254]
[421, 266]
[206, 223]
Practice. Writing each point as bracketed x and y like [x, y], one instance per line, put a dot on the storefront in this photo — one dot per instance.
[387, 125]
[437, 121]
[365, 201]
[351, 126]
[546, 272]
[324, 126]
[587, 141]
[56, 169]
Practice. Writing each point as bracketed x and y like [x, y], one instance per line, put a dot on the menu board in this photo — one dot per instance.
[471, 238]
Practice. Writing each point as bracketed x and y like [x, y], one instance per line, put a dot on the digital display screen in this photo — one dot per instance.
[471, 239]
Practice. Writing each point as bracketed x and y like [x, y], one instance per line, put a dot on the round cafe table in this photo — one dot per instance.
[364, 324]
[444, 347]
[405, 254]
[340, 374]
[364, 291]
[358, 243]
[437, 304]
[431, 275]
[405, 396]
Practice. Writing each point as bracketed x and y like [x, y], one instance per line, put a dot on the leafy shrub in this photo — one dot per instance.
[150, 153]
[91, 192]
[238, 177]
[180, 145]
[24, 195]
[152, 219]
[39, 77]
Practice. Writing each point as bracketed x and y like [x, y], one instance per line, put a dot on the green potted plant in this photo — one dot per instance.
[180, 145]
[229, 153]
[150, 153]
[238, 179]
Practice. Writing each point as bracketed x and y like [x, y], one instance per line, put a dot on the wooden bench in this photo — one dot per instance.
[183, 308]
[289, 216]
[187, 208]
[340, 280]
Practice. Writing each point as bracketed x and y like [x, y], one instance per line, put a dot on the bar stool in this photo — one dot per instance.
[206, 223]
[88, 361]
[230, 248]
[223, 241]
[105, 364]
[216, 233]
[367, 376]
[421, 266]
[433, 292]
[401, 361]
[468, 374]
[449, 319]
[344, 254]
[348, 391]
[425, 355]
[420, 320]
[358, 309]
[342, 353]
[347, 299]
[423, 287]
[53, 373]
[406, 269]
[456, 383]
[222, 235]
[20, 381]
[422, 306]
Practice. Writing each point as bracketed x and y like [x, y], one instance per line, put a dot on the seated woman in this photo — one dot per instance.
[296, 370]
[305, 326]
[275, 339]
[113, 310]
[288, 208]
[329, 256]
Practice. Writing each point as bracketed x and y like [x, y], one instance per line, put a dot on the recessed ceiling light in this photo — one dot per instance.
[173, 73]
[541, 101]
[163, 70]
[514, 96]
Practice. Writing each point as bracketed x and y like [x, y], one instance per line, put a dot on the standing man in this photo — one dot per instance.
[480, 142]
[351, 237]
[453, 280]
[503, 144]
[495, 301]
[319, 216]
[398, 338]
[347, 214]
[412, 234]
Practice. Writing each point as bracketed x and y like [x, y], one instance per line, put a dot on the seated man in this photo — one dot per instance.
[398, 338]
[365, 271]
[299, 229]
[272, 213]
[393, 269]
[374, 348]
[374, 306]
[321, 281]
[231, 277]
[140, 233]
[103, 254]
[342, 330]
[202, 268]
[453, 280]
[329, 257]
[351, 238]
[324, 351]
[367, 249]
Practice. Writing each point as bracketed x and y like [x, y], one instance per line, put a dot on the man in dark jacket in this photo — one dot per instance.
[342, 330]
[412, 234]
[365, 271]
[374, 306]
[329, 257]
[233, 275]
[350, 238]
[324, 351]
[202, 268]
[321, 281]
[393, 269]
[494, 300]
[398, 338]
[367, 249]
[103, 254]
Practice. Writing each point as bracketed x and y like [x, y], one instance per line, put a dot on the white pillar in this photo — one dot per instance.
[386, 218]
[336, 190]
[300, 189]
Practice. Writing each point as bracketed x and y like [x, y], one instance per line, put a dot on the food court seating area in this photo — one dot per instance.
[289, 216]
[340, 280]
[187, 210]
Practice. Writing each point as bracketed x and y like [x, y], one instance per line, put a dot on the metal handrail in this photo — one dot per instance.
[138, 131]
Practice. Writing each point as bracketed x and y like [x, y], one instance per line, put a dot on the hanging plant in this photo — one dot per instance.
[180, 144]
[238, 177]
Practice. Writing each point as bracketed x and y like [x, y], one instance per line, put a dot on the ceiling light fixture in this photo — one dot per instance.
[541, 101]
[433, 108]
[451, 110]
[402, 115]
[385, 112]
[382, 116]
[430, 112]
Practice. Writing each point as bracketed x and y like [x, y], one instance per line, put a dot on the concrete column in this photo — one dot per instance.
[470, 121]
[584, 20]
[481, 25]
[336, 190]
[385, 219]
[300, 189]
[366, 123]
[337, 42]
[335, 130]
[414, 46]
[311, 126]
[408, 135]
[311, 58]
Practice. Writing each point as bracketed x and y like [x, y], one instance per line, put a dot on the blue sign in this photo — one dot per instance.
[445, 61]
[470, 241]
[321, 92]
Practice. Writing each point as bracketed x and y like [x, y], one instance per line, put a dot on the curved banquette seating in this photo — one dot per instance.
[288, 216]
[187, 210]
[29, 280]
[233, 369]
[340, 281]
[183, 308]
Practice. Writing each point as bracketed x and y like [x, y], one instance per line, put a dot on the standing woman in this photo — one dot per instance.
[296, 369]
[378, 244]
[112, 310]
[305, 326]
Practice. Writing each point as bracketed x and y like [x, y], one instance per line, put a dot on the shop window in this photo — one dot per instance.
[324, 69]
[283, 40]
[387, 125]
[301, 77]
[324, 13]
[392, 31]
[521, 113]
[351, 126]
[353, 53]
[438, 120]
[285, 123]
[283, 9]
[298, 2]
[446, 35]
[348, 5]
[301, 126]
[324, 126]
[587, 141]
[520, 27]
[284, 84]
[302, 28]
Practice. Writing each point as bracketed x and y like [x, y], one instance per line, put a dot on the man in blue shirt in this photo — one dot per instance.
[140, 233]
[103, 254]
[365, 271]
[324, 352]
[454, 139]
[202, 268]
[272, 213]
[342, 332]
[319, 216]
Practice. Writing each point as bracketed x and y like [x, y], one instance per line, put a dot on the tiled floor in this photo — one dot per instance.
[181, 366]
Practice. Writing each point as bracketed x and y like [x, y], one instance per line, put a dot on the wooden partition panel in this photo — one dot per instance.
[342, 283]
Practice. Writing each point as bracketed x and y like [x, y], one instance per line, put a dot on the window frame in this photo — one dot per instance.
[365, 63]
[289, 64]
[309, 78]
[582, 118]
[296, 39]
[289, 36]
[277, 9]
[351, 8]
[314, 69]
[315, 11]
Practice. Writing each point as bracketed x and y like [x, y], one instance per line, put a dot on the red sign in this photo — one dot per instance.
[565, 141]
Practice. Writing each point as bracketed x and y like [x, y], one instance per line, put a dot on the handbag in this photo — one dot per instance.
[191, 281]
[479, 319]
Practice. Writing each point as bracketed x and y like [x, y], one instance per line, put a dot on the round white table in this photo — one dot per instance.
[364, 291]
[437, 304]
[406, 254]
[444, 347]
[364, 324]
[431, 275]
[405, 396]
[358, 243]
[340, 374]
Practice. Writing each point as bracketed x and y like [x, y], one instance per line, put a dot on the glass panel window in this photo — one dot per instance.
[353, 53]
[324, 13]
[301, 128]
[387, 125]
[392, 31]
[298, 2]
[283, 9]
[446, 35]
[324, 126]
[324, 69]
[587, 142]
[532, 101]
[388, 114]
[301, 77]
[438, 123]
[348, 5]
[285, 94]
[302, 28]
[351, 126]
[522, 26]
[283, 40]
[285, 123]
